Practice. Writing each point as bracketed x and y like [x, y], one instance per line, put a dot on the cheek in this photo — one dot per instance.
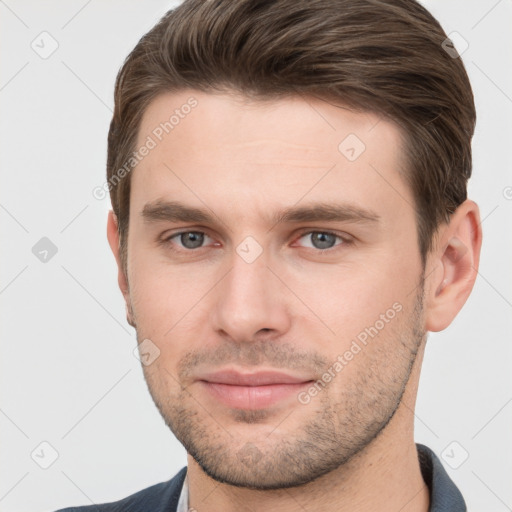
[168, 300]
[152, 294]
[349, 299]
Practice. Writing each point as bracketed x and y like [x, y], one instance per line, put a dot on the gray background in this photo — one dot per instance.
[69, 376]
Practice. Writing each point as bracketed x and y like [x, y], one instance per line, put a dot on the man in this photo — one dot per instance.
[290, 219]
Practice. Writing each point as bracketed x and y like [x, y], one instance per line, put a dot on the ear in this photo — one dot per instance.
[122, 279]
[453, 266]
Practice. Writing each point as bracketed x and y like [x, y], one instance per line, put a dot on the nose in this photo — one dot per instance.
[251, 302]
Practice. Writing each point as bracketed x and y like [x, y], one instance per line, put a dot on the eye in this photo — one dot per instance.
[189, 239]
[322, 240]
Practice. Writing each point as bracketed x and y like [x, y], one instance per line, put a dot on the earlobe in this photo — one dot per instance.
[113, 240]
[455, 262]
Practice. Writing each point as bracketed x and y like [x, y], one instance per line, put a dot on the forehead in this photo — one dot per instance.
[308, 122]
[262, 152]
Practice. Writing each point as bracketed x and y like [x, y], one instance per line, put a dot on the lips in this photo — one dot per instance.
[235, 378]
[252, 390]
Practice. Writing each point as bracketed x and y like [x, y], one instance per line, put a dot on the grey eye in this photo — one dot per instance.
[191, 239]
[321, 240]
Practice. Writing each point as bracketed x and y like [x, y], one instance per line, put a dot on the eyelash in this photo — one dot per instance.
[345, 240]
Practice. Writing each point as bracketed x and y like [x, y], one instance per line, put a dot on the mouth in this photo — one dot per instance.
[252, 390]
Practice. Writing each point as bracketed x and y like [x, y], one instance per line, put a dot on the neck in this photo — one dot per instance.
[384, 476]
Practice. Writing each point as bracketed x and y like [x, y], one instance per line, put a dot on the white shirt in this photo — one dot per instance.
[183, 501]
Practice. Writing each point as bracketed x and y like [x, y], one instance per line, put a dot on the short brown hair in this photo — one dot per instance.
[382, 56]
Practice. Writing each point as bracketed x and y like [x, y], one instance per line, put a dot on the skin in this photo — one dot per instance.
[296, 307]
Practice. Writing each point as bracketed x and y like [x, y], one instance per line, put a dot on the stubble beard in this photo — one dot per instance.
[343, 422]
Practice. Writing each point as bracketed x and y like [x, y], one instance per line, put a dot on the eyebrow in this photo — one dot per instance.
[174, 211]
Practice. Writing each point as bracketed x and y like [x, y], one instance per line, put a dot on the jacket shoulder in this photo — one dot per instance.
[162, 497]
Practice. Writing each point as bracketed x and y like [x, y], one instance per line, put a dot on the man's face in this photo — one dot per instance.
[288, 314]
